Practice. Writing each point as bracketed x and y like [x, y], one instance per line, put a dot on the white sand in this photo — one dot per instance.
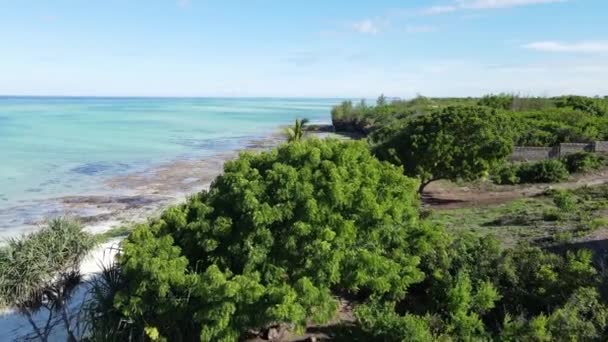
[102, 255]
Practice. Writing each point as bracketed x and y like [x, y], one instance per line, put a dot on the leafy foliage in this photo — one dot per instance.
[544, 171]
[296, 133]
[535, 121]
[475, 285]
[273, 240]
[280, 236]
[583, 162]
[595, 106]
[30, 263]
[40, 272]
[582, 318]
[454, 143]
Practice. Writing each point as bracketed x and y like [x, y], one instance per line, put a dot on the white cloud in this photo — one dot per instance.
[483, 4]
[582, 47]
[367, 26]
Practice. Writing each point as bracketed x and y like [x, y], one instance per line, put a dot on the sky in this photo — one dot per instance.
[294, 48]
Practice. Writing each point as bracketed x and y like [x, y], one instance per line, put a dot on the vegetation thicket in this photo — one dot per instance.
[536, 121]
[465, 139]
[547, 171]
[275, 240]
[283, 238]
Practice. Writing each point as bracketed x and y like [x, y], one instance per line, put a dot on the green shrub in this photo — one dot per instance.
[583, 162]
[599, 222]
[506, 175]
[546, 171]
[563, 237]
[564, 200]
[552, 215]
[29, 265]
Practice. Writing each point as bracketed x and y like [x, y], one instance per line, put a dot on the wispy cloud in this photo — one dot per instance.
[367, 26]
[582, 47]
[457, 5]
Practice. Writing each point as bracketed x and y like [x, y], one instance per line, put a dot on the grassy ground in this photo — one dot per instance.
[550, 219]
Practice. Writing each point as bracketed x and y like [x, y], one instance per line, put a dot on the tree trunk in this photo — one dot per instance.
[67, 322]
[423, 185]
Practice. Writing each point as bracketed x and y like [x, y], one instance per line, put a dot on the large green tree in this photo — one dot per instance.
[276, 238]
[453, 143]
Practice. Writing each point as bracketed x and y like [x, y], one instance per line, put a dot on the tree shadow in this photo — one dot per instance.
[342, 332]
[436, 202]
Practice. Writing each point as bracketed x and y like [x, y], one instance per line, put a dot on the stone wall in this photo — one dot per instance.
[526, 153]
[569, 148]
[600, 146]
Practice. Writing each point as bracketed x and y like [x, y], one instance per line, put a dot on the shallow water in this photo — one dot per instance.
[57, 148]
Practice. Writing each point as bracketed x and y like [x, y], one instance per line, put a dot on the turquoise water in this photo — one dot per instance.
[53, 147]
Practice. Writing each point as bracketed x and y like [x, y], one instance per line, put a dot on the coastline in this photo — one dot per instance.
[140, 196]
[129, 198]
[151, 192]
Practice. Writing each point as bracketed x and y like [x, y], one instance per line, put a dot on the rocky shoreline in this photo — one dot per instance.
[130, 198]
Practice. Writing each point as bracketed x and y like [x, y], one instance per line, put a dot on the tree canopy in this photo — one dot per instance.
[453, 143]
[272, 241]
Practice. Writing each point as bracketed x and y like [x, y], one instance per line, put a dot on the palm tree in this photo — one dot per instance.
[296, 133]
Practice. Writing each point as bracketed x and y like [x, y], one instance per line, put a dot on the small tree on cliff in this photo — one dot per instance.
[454, 143]
[273, 241]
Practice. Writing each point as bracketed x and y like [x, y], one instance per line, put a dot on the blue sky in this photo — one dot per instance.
[311, 48]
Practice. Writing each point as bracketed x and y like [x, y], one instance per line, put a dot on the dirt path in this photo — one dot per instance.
[446, 195]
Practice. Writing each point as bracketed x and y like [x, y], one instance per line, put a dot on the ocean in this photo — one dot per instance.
[97, 157]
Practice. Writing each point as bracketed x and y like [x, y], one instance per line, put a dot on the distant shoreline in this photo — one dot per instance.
[148, 97]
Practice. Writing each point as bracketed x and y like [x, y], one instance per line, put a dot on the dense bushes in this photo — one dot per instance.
[476, 291]
[583, 162]
[282, 235]
[547, 171]
[365, 119]
[535, 121]
[515, 102]
[595, 106]
[272, 241]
